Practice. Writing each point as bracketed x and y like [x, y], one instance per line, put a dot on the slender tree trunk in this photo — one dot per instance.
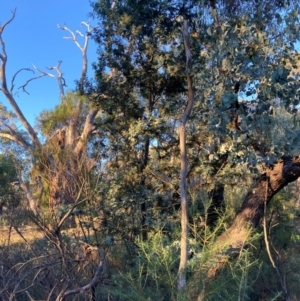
[181, 281]
[143, 204]
[143, 165]
[181, 276]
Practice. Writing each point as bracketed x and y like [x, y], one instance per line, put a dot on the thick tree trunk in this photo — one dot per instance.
[276, 177]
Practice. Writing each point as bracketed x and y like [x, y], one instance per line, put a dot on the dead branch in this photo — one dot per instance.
[59, 77]
[7, 92]
[8, 21]
[32, 203]
[12, 135]
[15, 75]
[23, 87]
[16, 139]
[99, 272]
[77, 203]
[82, 48]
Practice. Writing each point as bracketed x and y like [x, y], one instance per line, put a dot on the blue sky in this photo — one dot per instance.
[33, 38]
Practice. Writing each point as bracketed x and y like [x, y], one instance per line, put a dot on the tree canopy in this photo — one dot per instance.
[171, 162]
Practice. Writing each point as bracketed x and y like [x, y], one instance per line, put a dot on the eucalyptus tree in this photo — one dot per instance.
[55, 168]
[244, 57]
[66, 130]
[140, 50]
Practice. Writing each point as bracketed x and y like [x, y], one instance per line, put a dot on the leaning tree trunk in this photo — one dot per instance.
[276, 177]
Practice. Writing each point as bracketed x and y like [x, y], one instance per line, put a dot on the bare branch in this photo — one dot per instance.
[3, 55]
[8, 21]
[8, 94]
[15, 75]
[59, 77]
[23, 87]
[32, 203]
[93, 282]
[82, 48]
[77, 202]
[16, 138]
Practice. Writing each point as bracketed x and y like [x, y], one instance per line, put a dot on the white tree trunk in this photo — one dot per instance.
[181, 276]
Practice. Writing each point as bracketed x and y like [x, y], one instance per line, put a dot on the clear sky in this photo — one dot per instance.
[33, 38]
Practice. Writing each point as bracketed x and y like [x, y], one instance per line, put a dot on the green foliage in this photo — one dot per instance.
[236, 281]
[153, 273]
[244, 119]
[282, 231]
[242, 57]
[10, 194]
[62, 114]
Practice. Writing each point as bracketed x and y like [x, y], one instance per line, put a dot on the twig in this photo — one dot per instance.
[59, 77]
[283, 286]
[15, 75]
[23, 87]
[93, 282]
[82, 48]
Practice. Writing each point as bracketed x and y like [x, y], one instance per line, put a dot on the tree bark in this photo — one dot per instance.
[275, 177]
[232, 241]
[181, 276]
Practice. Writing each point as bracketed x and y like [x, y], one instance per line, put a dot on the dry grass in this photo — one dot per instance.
[10, 236]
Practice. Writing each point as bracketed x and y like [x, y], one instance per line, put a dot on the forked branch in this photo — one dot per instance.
[83, 48]
[59, 77]
[80, 290]
[8, 92]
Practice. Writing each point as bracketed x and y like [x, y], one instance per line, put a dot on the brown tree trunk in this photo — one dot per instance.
[230, 242]
[276, 177]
